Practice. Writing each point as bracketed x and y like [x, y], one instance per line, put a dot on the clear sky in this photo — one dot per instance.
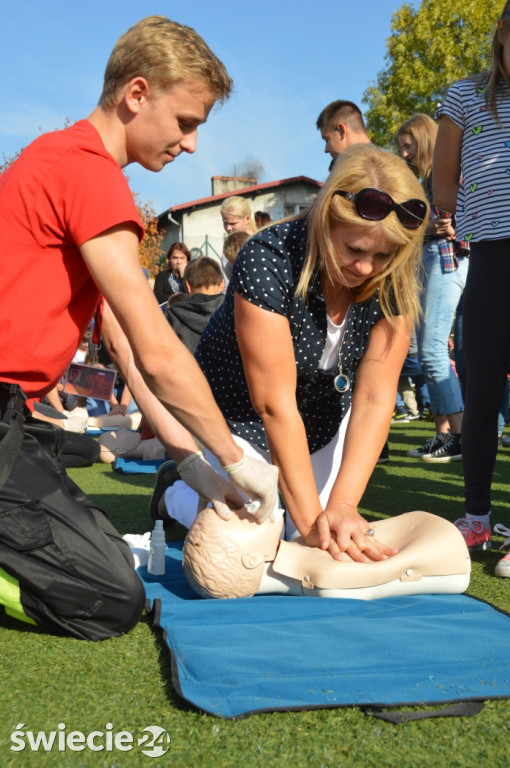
[288, 59]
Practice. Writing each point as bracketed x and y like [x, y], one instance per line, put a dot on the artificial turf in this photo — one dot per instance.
[46, 681]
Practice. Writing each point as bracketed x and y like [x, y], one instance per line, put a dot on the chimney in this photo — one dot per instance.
[223, 184]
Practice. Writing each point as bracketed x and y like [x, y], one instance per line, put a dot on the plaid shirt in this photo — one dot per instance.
[450, 250]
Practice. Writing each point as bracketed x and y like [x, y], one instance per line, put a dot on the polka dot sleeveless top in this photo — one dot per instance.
[266, 273]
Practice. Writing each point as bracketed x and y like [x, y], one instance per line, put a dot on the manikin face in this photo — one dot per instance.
[178, 262]
[166, 124]
[334, 143]
[408, 148]
[360, 253]
[235, 223]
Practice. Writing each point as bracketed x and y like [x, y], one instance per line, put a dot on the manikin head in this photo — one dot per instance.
[226, 558]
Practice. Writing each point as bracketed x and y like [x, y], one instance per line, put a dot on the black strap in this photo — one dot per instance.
[460, 709]
[10, 445]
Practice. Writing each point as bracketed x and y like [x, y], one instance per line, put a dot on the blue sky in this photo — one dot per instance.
[288, 59]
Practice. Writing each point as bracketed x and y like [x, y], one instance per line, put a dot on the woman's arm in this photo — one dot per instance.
[266, 348]
[269, 363]
[446, 167]
[372, 407]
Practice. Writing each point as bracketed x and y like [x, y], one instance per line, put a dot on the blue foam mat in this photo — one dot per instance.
[94, 431]
[237, 657]
[137, 466]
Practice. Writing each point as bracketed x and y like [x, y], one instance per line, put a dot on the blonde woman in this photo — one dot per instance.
[305, 353]
[445, 266]
[237, 215]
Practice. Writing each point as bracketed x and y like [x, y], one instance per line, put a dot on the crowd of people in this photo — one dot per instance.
[279, 389]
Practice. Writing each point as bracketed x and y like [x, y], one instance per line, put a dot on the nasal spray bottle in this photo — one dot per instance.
[157, 550]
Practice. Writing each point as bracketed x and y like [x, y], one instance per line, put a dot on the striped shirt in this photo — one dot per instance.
[483, 212]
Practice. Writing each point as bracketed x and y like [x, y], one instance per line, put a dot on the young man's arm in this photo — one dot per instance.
[177, 440]
[155, 361]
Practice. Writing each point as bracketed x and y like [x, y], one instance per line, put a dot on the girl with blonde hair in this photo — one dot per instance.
[237, 215]
[445, 269]
[305, 353]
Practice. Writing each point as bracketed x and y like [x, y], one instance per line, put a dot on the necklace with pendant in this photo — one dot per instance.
[342, 382]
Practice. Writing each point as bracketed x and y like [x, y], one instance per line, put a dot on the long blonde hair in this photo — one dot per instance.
[423, 130]
[358, 167]
[490, 80]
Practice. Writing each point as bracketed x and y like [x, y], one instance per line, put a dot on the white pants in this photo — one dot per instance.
[182, 502]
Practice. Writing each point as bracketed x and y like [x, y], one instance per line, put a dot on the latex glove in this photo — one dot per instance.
[259, 481]
[210, 486]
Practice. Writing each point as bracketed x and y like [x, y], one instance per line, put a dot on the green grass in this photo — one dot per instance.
[124, 681]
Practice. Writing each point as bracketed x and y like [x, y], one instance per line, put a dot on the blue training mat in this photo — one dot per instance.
[95, 431]
[137, 466]
[272, 652]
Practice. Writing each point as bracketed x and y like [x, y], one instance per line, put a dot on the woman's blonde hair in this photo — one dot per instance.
[164, 53]
[358, 167]
[423, 130]
[490, 80]
[239, 207]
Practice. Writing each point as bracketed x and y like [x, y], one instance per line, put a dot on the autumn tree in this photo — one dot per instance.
[430, 47]
[151, 247]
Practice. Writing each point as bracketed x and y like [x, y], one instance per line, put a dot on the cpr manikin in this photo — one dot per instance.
[240, 558]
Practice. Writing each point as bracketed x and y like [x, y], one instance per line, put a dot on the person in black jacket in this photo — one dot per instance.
[188, 315]
[170, 279]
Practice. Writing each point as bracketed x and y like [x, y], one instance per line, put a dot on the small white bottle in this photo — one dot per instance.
[157, 550]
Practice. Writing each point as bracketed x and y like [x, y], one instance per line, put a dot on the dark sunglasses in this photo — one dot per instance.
[375, 205]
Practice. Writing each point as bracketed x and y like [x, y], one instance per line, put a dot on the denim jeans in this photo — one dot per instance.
[412, 370]
[441, 294]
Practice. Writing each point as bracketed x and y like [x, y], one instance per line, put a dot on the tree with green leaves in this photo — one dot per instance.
[430, 47]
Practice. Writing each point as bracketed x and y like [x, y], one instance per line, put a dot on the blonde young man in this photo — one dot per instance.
[69, 234]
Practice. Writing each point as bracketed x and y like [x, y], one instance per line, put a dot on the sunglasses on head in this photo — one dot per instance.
[375, 205]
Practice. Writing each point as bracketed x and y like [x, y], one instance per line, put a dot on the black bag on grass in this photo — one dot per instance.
[75, 573]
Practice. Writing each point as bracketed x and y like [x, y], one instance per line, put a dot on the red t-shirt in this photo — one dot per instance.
[63, 190]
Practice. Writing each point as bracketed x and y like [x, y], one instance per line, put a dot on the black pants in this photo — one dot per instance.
[79, 450]
[75, 572]
[486, 335]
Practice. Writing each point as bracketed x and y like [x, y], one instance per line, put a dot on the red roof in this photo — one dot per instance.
[246, 191]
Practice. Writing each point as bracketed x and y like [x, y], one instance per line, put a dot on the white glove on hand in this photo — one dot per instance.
[259, 481]
[210, 486]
